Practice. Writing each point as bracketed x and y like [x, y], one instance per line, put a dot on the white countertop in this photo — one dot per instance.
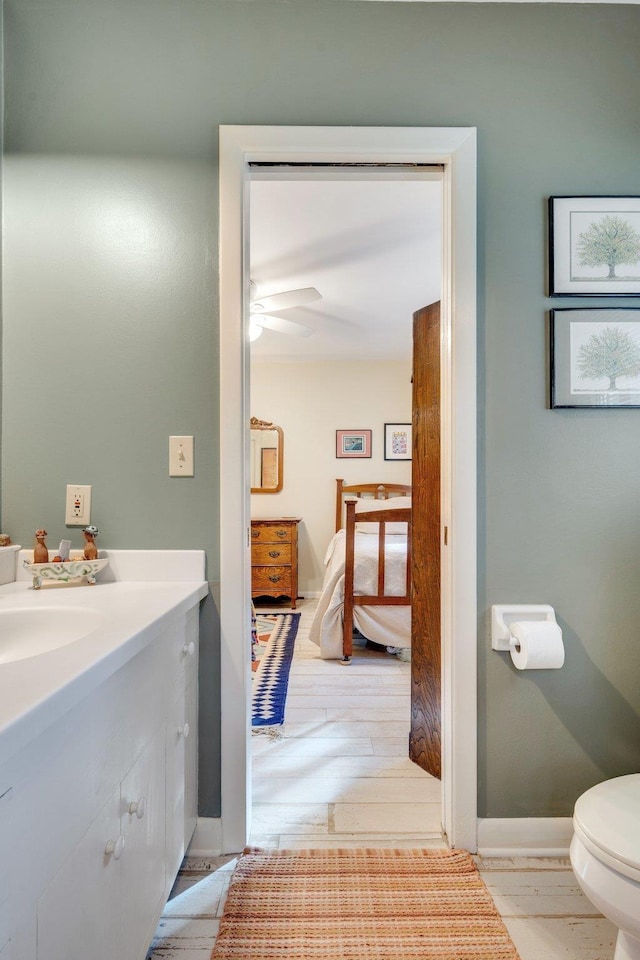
[36, 691]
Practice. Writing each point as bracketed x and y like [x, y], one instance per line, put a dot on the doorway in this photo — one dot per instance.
[365, 241]
[455, 150]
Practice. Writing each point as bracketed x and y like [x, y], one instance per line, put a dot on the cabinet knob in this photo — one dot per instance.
[183, 731]
[137, 807]
[115, 848]
[189, 649]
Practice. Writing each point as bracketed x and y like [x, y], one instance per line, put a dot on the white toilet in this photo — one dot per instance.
[605, 856]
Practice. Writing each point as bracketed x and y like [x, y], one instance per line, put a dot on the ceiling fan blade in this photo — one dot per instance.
[280, 325]
[282, 301]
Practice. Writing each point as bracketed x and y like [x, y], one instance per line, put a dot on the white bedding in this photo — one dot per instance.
[390, 625]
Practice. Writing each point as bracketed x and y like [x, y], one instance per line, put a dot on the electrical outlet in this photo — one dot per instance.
[180, 456]
[78, 505]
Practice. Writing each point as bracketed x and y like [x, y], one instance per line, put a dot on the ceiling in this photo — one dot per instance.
[372, 248]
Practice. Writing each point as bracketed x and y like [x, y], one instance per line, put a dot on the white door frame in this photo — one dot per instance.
[455, 149]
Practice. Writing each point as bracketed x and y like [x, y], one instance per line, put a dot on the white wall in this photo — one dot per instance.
[310, 401]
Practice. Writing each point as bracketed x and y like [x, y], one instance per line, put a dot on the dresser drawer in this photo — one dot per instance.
[271, 581]
[271, 553]
[270, 533]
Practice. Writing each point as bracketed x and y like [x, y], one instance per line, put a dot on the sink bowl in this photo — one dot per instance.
[28, 632]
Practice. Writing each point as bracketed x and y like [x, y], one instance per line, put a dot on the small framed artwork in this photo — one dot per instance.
[594, 246]
[397, 441]
[353, 443]
[595, 357]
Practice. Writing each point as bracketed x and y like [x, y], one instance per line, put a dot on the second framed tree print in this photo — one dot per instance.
[594, 246]
[595, 357]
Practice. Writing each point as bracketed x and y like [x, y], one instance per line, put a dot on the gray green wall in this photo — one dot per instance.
[110, 320]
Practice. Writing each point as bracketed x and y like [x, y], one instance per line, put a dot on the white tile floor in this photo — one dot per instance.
[340, 777]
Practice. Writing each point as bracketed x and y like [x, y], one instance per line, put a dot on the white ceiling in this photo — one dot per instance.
[372, 248]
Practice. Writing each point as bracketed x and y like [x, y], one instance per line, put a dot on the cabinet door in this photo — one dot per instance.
[6, 836]
[78, 911]
[191, 764]
[142, 825]
[176, 753]
[182, 775]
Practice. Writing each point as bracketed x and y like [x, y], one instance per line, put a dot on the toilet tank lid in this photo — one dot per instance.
[609, 816]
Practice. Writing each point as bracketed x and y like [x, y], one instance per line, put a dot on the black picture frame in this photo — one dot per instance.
[584, 339]
[397, 441]
[583, 232]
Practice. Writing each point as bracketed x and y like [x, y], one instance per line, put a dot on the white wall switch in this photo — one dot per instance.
[180, 456]
[78, 505]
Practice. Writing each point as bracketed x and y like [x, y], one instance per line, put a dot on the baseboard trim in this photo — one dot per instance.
[207, 838]
[525, 837]
[506, 837]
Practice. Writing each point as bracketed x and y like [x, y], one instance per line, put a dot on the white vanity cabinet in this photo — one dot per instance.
[105, 810]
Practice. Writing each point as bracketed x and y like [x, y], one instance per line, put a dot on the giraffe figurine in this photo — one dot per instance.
[40, 552]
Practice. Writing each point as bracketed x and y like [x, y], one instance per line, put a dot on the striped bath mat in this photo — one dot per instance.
[341, 904]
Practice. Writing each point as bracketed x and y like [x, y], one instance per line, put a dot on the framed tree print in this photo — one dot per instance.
[595, 357]
[594, 246]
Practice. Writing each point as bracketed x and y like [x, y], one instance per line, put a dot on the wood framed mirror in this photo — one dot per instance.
[266, 456]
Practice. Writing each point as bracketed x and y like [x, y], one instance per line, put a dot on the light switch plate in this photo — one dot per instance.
[180, 456]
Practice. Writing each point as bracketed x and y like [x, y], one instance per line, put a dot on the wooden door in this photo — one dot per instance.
[425, 735]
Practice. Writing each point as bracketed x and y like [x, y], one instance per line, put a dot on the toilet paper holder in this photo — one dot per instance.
[504, 614]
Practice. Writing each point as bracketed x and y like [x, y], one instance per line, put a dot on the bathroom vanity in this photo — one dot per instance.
[98, 761]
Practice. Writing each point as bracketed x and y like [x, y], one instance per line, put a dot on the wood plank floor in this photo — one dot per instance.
[340, 777]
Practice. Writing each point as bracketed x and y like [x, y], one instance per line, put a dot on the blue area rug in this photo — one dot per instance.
[271, 679]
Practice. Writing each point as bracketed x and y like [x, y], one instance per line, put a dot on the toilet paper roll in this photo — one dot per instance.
[536, 645]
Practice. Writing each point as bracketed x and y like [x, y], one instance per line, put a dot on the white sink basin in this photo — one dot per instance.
[28, 632]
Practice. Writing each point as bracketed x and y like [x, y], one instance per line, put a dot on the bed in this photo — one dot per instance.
[367, 582]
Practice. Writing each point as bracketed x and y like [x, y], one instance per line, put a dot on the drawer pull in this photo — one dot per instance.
[115, 848]
[281, 533]
[189, 649]
[137, 807]
[255, 534]
[274, 553]
[274, 578]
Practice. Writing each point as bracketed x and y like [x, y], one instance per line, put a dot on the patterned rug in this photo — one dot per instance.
[273, 640]
[340, 904]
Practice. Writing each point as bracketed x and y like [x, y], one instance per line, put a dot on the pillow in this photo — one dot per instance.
[366, 505]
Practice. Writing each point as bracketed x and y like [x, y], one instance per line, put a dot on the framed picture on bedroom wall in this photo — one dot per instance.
[397, 441]
[353, 443]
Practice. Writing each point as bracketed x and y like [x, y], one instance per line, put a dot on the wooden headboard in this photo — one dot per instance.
[377, 491]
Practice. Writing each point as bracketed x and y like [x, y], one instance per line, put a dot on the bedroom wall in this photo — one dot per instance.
[112, 293]
[310, 401]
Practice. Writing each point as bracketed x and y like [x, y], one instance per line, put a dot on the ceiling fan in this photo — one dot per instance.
[263, 311]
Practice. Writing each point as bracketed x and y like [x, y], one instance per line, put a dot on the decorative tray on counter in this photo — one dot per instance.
[64, 571]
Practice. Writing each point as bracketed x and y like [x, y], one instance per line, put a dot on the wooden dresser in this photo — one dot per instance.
[274, 558]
